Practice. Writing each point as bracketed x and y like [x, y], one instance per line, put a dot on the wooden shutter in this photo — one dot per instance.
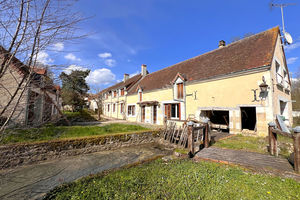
[168, 111]
[180, 90]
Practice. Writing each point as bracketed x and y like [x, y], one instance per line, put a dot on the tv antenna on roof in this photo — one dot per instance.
[287, 37]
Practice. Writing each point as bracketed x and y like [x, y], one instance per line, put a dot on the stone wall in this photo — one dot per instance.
[29, 153]
[8, 85]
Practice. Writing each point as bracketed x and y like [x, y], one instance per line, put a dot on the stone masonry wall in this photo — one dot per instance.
[29, 153]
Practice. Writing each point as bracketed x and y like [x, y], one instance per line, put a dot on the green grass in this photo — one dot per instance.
[181, 151]
[80, 116]
[179, 179]
[296, 121]
[240, 142]
[254, 144]
[58, 132]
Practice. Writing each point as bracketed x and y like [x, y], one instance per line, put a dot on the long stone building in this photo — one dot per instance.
[35, 103]
[240, 86]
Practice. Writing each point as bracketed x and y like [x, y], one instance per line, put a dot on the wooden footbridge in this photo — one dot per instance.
[193, 131]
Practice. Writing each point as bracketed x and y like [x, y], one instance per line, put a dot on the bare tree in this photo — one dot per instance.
[296, 92]
[27, 29]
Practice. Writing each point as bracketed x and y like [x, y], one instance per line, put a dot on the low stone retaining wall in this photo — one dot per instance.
[27, 153]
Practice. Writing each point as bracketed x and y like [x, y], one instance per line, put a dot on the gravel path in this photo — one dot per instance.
[34, 181]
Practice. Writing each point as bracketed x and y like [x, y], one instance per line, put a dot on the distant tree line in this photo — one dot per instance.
[296, 92]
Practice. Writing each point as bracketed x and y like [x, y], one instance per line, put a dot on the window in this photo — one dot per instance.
[131, 110]
[141, 96]
[115, 93]
[180, 91]
[107, 107]
[279, 77]
[114, 107]
[286, 79]
[122, 106]
[172, 111]
[122, 92]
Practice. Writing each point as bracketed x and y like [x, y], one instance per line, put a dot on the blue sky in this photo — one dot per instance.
[127, 33]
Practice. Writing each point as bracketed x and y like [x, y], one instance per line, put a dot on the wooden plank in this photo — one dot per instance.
[277, 131]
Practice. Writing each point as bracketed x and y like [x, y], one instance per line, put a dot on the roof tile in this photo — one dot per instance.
[249, 53]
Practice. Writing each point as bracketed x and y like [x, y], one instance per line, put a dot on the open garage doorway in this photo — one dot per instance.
[219, 119]
[248, 115]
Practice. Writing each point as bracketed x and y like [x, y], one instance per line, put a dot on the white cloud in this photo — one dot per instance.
[292, 46]
[71, 68]
[292, 60]
[105, 55]
[101, 76]
[110, 62]
[43, 58]
[58, 46]
[72, 57]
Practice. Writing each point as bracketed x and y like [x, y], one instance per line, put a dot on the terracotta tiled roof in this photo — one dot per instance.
[16, 63]
[128, 84]
[246, 54]
[41, 71]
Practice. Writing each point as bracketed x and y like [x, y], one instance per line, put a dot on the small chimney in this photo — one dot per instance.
[144, 70]
[126, 77]
[222, 43]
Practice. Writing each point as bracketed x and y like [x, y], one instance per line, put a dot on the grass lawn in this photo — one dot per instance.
[55, 132]
[179, 179]
[258, 144]
[80, 116]
[255, 144]
[296, 121]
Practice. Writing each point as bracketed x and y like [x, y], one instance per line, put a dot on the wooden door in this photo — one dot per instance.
[154, 114]
[143, 113]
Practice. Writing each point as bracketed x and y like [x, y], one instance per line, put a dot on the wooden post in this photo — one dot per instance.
[297, 149]
[191, 145]
[206, 134]
[271, 138]
[275, 149]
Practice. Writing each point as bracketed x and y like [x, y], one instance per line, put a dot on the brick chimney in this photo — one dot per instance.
[126, 77]
[222, 43]
[144, 70]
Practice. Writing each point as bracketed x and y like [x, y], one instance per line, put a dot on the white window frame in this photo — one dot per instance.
[278, 73]
[140, 91]
[130, 115]
[175, 92]
[177, 117]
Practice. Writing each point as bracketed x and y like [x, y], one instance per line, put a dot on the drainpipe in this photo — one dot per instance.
[118, 105]
[184, 101]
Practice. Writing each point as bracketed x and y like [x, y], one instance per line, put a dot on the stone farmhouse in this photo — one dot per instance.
[240, 86]
[40, 100]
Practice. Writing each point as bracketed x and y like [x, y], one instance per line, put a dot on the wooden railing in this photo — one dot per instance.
[186, 135]
[273, 132]
[192, 127]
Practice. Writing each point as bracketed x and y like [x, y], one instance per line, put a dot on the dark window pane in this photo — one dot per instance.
[173, 110]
